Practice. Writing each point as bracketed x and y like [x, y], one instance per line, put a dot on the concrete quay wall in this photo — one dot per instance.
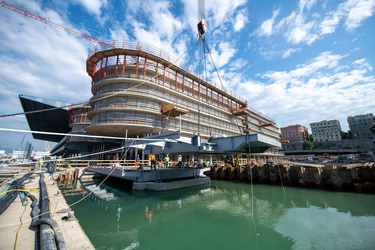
[16, 231]
[357, 179]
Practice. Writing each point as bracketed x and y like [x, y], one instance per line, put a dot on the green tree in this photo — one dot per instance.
[307, 145]
[346, 135]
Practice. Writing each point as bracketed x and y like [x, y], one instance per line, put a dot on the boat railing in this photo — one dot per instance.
[128, 164]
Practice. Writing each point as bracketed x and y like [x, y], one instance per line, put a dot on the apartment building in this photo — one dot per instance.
[326, 130]
[360, 126]
[294, 135]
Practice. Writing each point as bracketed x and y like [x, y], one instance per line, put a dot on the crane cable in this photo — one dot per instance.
[217, 72]
[213, 62]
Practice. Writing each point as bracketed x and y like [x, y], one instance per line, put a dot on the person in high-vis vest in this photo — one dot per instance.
[152, 159]
[166, 161]
[137, 162]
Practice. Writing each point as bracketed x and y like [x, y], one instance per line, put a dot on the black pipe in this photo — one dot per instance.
[50, 232]
[34, 207]
[53, 225]
[46, 237]
[11, 196]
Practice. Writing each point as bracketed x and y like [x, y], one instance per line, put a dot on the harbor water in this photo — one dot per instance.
[223, 215]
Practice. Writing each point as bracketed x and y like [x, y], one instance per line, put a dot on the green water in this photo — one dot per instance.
[225, 215]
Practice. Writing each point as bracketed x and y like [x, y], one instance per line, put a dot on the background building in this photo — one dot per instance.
[360, 126]
[326, 130]
[295, 134]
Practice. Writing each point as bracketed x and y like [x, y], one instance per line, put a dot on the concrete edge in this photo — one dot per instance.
[74, 236]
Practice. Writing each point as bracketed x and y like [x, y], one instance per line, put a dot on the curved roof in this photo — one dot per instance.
[54, 119]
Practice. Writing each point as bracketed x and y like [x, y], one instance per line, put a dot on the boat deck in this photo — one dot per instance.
[161, 179]
[146, 174]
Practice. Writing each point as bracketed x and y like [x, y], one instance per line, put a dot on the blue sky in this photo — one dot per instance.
[297, 62]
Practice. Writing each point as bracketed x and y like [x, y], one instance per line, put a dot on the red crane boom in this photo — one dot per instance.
[46, 21]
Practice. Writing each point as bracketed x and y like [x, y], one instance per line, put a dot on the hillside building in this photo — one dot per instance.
[292, 137]
[360, 126]
[326, 130]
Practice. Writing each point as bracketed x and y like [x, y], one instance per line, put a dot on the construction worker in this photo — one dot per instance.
[152, 159]
[137, 161]
[179, 161]
[160, 162]
[208, 163]
[166, 161]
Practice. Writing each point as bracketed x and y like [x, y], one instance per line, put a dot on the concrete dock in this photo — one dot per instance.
[16, 231]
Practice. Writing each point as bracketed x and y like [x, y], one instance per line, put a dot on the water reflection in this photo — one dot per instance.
[318, 228]
[225, 215]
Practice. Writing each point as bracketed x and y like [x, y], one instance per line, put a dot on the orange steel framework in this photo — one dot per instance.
[97, 66]
[78, 114]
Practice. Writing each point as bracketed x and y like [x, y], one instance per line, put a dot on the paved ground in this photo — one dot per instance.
[15, 229]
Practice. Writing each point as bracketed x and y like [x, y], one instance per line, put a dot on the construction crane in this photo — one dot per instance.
[47, 21]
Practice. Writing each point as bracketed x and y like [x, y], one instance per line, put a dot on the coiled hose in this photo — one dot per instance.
[11, 196]
[48, 239]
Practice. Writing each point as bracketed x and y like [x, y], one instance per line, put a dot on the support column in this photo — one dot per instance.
[123, 66]
[117, 59]
[183, 83]
[106, 65]
[136, 66]
[175, 80]
[145, 68]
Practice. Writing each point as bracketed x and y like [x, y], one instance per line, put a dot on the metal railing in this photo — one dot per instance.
[131, 45]
[144, 47]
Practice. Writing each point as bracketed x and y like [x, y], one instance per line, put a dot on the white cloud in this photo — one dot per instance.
[313, 91]
[297, 29]
[117, 33]
[289, 52]
[267, 27]
[93, 6]
[306, 25]
[225, 53]
[40, 60]
[237, 64]
[152, 23]
[353, 12]
[306, 4]
[330, 23]
[222, 11]
[240, 22]
[357, 12]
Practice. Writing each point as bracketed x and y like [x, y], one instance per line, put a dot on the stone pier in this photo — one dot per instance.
[358, 178]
